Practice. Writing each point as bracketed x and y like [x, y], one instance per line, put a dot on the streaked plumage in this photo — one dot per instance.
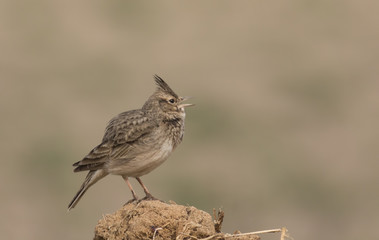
[137, 141]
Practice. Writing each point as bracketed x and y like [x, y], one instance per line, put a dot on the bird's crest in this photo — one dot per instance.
[163, 86]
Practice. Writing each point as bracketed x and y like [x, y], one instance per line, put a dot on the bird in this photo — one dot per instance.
[136, 142]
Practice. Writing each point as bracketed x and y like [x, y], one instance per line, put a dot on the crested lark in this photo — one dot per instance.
[137, 141]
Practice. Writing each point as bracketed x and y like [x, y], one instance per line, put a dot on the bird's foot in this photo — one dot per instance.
[150, 197]
[132, 201]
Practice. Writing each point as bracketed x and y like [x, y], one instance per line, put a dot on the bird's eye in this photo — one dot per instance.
[171, 100]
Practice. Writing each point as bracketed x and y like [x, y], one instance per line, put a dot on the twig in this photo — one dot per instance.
[282, 230]
[155, 231]
[187, 235]
[213, 236]
[284, 234]
[218, 219]
[159, 228]
[259, 232]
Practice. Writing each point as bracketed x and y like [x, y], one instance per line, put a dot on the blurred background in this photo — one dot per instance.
[284, 132]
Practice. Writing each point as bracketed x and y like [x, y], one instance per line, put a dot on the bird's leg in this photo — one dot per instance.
[148, 194]
[131, 189]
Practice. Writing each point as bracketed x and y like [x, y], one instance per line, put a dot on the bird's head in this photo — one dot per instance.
[166, 101]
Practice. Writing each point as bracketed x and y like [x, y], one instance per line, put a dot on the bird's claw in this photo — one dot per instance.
[132, 201]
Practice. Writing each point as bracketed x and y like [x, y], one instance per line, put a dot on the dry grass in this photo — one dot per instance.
[157, 220]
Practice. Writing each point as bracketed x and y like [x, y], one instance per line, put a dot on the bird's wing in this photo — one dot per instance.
[128, 127]
[126, 130]
[122, 130]
[94, 159]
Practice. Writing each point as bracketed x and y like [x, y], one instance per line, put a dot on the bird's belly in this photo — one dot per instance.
[144, 162]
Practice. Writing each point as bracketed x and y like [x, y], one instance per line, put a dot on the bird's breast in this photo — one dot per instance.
[150, 152]
[152, 159]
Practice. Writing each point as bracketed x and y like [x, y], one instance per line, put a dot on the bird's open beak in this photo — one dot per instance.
[182, 99]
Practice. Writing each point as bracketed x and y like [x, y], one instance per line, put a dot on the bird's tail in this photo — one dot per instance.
[91, 178]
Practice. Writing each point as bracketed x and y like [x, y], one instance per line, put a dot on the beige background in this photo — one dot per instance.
[285, 131]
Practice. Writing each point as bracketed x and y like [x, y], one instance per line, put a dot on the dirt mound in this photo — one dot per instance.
[158, 220]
